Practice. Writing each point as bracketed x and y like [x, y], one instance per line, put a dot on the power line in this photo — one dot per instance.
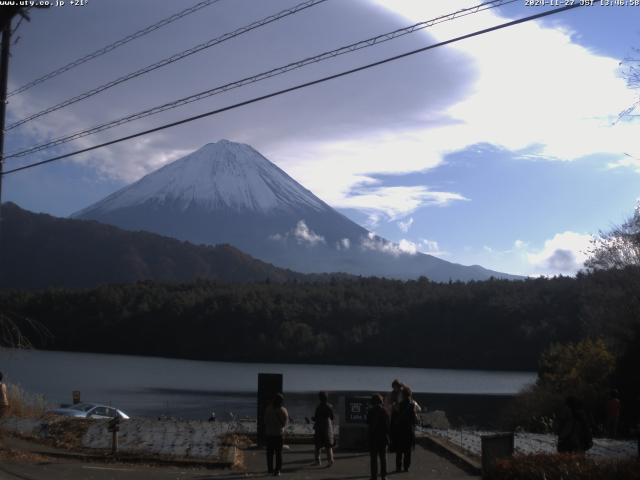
[299, 86]
[167, 61]
[114, 45]
[262, 76]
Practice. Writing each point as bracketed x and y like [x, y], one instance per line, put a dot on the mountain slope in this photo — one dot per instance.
[38, 251]
[229, 193]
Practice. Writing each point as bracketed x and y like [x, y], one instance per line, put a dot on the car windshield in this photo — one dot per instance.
[82, 407]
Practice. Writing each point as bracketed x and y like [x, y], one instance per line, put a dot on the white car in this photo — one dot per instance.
[89, 410]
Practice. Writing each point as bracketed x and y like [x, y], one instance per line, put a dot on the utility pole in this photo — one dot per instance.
[6, 16]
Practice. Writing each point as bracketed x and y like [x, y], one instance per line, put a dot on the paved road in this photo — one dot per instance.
[348, 466]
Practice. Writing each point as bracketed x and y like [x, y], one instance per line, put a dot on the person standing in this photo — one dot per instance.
[574, 432]
[613, 413]
[378, 423]
[4, 398]
[403, 435]
[394, 397]
[323, 428]
[276, 418]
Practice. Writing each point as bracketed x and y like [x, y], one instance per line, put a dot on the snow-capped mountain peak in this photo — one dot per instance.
[222, 175]
[227, 192]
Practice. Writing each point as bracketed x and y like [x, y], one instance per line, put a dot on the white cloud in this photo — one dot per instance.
[354, 187]
[511, 101]
[395, 202]
[432, 248]
[564, 254]
[343, 244]
[628, 161]
[373, 242]
[406, 225]
[519, 244]
[305, 235]
[556, 96]
[373, 219]
[509, 106]
[407, 246]
[302, 233]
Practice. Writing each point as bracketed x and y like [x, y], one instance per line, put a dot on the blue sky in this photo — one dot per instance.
[498, 151]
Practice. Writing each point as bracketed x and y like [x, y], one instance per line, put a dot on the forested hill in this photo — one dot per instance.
[493, 324]
[38, 251]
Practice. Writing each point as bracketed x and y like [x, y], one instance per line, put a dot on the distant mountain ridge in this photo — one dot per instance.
[229, 193]
[41, 251]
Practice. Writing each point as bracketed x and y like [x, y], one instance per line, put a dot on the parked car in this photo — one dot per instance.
[89, 410]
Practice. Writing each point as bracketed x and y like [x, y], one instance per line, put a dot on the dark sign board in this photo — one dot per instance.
[495, 447]
[356, 409]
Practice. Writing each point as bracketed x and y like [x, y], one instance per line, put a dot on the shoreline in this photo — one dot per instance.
[275, 364]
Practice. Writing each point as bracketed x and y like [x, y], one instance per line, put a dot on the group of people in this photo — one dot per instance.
[391, 423]
[276, 419]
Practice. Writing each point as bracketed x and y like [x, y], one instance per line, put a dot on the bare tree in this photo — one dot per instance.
[619, 247]
[630, 68]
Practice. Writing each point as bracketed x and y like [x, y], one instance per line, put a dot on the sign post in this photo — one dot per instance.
[114, 427]
[353, 430]
[494, 447]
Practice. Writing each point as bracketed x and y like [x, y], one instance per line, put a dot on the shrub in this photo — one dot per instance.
[533, 410]
[580, 369]
[25, 404]
[563, 467]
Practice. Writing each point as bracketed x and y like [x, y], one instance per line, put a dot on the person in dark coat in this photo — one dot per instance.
[574, 432]
[403, 436]
[378, 423]
[276, 418]
[323, 428]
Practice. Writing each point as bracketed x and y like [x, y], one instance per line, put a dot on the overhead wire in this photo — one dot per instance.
[113, 46]
[169, 60]
[300, 86]
[369, 42]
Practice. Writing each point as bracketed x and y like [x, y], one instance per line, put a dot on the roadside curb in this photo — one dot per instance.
[443, 448]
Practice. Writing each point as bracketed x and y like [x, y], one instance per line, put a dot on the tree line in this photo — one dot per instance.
[494, 324]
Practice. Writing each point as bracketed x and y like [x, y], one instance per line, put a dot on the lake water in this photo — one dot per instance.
[154, 386]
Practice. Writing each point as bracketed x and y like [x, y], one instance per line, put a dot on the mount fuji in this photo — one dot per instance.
[227, 192]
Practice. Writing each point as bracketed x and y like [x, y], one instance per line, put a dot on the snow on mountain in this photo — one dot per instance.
[227, 192]
[218, 176]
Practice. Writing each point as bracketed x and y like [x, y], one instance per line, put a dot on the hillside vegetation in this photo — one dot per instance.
[495, 324]
[38, 251]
